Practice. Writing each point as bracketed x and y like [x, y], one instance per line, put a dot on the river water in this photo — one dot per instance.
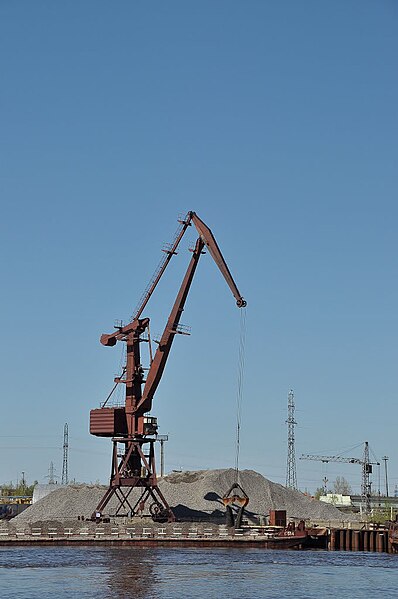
[167, 573]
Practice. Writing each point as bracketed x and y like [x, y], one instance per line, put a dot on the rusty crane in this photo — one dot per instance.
[129, 426]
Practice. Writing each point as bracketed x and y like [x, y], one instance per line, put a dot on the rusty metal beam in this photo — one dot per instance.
[211, 244]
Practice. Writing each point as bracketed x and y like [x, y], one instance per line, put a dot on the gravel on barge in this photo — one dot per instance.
[194, 496]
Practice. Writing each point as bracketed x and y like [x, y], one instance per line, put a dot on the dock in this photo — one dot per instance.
[194, 535]
[359, 540]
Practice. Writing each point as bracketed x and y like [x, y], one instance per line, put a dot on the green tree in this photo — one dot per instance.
[319, 492]
[11, 490]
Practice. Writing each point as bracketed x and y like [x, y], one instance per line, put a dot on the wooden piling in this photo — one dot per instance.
[332, 540]
[372, 540]
[356, 540]
[365, 535]
[348, 539]
[380, 542]
[342, 546]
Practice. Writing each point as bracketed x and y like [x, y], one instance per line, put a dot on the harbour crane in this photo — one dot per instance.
[367, 468]
[130, 426]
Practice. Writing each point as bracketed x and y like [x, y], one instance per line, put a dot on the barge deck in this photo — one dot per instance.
[331, 539]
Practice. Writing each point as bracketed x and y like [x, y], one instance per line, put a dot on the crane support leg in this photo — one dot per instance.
[133, 482]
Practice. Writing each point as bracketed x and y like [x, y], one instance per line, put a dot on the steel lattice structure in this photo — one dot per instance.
[65, 460]
[291, 476]
[367, 468]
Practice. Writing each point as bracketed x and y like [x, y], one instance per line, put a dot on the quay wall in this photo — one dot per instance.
[346, 539]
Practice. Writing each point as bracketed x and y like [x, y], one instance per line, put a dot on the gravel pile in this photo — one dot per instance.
[192, 496]
[201, 491]
[63, 504]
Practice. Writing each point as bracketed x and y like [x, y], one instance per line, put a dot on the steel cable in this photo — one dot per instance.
[239, 395]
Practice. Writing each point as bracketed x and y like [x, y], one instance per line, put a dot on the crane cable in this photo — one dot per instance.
[239, 395]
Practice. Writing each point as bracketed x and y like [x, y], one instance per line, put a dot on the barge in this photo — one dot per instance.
[151, 536]
[199, 535]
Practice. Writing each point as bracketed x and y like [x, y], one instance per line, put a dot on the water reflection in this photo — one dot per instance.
[131, 572]
[194, 573]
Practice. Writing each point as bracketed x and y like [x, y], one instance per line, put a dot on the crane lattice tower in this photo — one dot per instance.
[367, 468]
[291, 476]
[65, 460]
[366, 487]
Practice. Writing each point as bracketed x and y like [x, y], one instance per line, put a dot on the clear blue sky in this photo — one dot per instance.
[277, 123]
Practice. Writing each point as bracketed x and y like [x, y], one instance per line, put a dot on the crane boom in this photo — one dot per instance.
[209, 240]
[330, 458]
[162, 353]
[169, 253]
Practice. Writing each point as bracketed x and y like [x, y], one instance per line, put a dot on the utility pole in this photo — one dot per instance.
[385, 459]
[162, 439]
[65, 460]
[291, 477]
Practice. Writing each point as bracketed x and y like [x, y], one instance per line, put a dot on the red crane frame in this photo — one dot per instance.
[129, 426]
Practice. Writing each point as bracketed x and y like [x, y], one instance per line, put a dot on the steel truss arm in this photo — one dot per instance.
[209, 240]
[166, 341]
[330, 458]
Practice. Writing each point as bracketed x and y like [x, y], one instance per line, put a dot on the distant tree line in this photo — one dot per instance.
[341, 486]
[10, 490]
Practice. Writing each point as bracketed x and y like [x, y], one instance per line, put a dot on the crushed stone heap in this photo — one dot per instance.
[201, 491]
[193, 496]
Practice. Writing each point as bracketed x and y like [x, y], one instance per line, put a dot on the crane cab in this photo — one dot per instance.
[150, 425]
